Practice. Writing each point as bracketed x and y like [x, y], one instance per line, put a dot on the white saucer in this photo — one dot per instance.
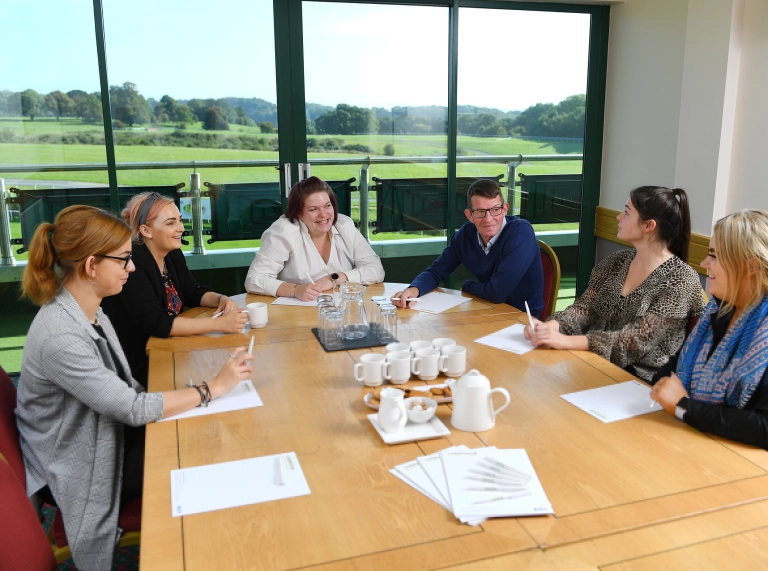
[411, 432]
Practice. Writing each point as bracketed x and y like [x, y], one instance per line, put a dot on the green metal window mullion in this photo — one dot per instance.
[106, 109]
[453, 52]
[289, 73]
[593, 142]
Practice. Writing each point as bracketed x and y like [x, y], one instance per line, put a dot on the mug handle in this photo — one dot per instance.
[490, 400]
[415, 366]
[386, 370]
[357, 369]
[442, 363]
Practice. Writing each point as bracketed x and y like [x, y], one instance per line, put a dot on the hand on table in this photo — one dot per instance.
[307, 292]
[236, 369]
[226, 305]
[325, 284]
[404, 296]
[546, 334]
[232, 321]
[668, 391]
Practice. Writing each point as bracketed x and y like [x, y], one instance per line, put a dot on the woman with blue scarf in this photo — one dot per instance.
[720, 386]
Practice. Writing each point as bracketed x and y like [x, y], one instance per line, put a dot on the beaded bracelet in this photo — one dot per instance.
[207, 393]
[203, 402]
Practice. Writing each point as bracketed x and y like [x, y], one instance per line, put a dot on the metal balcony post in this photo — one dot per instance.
[197, 214]
[6, 253]
[364, 202]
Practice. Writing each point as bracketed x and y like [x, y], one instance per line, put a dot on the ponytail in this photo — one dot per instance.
[39, 281]
[680, 243]
[669, 209]
[79, 232]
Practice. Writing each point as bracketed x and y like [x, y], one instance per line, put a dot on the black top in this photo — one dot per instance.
[141, 309]
[748, 425]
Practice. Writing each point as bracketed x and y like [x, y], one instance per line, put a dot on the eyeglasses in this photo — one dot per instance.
[127, 259]
[480, 213]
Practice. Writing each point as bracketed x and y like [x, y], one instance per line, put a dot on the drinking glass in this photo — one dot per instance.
[332, 326]
[387, 323]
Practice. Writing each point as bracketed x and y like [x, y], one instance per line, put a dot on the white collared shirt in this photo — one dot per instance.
[487, 247]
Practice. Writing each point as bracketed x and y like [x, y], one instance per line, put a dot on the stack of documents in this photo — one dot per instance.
[478, 483]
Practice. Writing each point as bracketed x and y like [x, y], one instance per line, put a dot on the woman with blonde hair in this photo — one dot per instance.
[720, 386]
[79, 411]
[150, 303]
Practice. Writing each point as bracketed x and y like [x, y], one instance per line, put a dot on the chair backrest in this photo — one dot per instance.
[9, 434]
[43, 205]
[23, 545]
[551, 266]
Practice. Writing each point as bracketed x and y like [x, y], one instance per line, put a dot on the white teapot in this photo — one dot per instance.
[472, 406]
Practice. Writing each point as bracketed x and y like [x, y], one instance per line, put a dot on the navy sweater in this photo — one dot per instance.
[510, 273]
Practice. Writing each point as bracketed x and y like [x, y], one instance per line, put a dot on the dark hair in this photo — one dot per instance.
[301, 190]
[487, 188]
[79, 232]
[669, 208]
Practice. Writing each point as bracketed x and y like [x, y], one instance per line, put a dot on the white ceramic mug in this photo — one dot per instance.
[416, 345]
[392, 347]
[400, 366]
[441, 342]
[257, 314]
[392, 415]
[372, 369]
[453, 361]
[425, 363]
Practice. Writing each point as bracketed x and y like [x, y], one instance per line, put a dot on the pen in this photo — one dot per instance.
[250, 346]
[280, 474]
[219, 314]
[407, 300]
[530, 319]
[501, 498]
[309, 277]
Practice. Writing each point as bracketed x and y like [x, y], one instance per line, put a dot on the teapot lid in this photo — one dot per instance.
[474, 380]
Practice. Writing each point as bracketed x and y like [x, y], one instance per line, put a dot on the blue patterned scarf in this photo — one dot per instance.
[737, 365]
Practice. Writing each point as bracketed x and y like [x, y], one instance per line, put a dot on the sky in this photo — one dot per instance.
[365, 55]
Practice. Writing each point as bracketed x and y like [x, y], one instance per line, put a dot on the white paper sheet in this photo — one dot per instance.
[294, 301]
[437, 302]
[391, 288]
[233, 484]
[509, 339]
[412, 474]
[615, 402]
[468, 503]
[242, 396]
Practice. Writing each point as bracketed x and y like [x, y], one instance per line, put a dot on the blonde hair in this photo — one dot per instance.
[741, 244]
[131, 212]
[79, 232]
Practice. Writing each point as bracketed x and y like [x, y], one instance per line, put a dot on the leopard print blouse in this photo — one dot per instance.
[641, 331]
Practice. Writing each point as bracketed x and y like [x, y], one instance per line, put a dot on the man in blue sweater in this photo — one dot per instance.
[500, 250]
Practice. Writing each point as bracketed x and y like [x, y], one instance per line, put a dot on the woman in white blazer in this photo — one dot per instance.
[311, 242]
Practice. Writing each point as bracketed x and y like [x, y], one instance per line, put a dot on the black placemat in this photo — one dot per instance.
[370, 340]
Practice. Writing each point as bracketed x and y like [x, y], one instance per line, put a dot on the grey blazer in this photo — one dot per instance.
[71, 409]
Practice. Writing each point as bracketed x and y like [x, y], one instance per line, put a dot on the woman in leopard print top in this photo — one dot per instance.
[638, 302]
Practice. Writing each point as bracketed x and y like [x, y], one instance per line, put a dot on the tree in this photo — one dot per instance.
[168, 109]
[267, 127]
[347, 120]
[90, 109]
[31, 103]
[60, 104]
[215, 119]
[128, 105]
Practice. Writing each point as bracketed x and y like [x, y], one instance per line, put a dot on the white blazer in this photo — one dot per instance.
[287, 254]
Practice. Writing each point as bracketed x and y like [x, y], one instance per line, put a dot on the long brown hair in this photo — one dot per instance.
[60, 249]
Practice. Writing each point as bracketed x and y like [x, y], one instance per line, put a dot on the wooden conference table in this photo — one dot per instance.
[634, 494]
